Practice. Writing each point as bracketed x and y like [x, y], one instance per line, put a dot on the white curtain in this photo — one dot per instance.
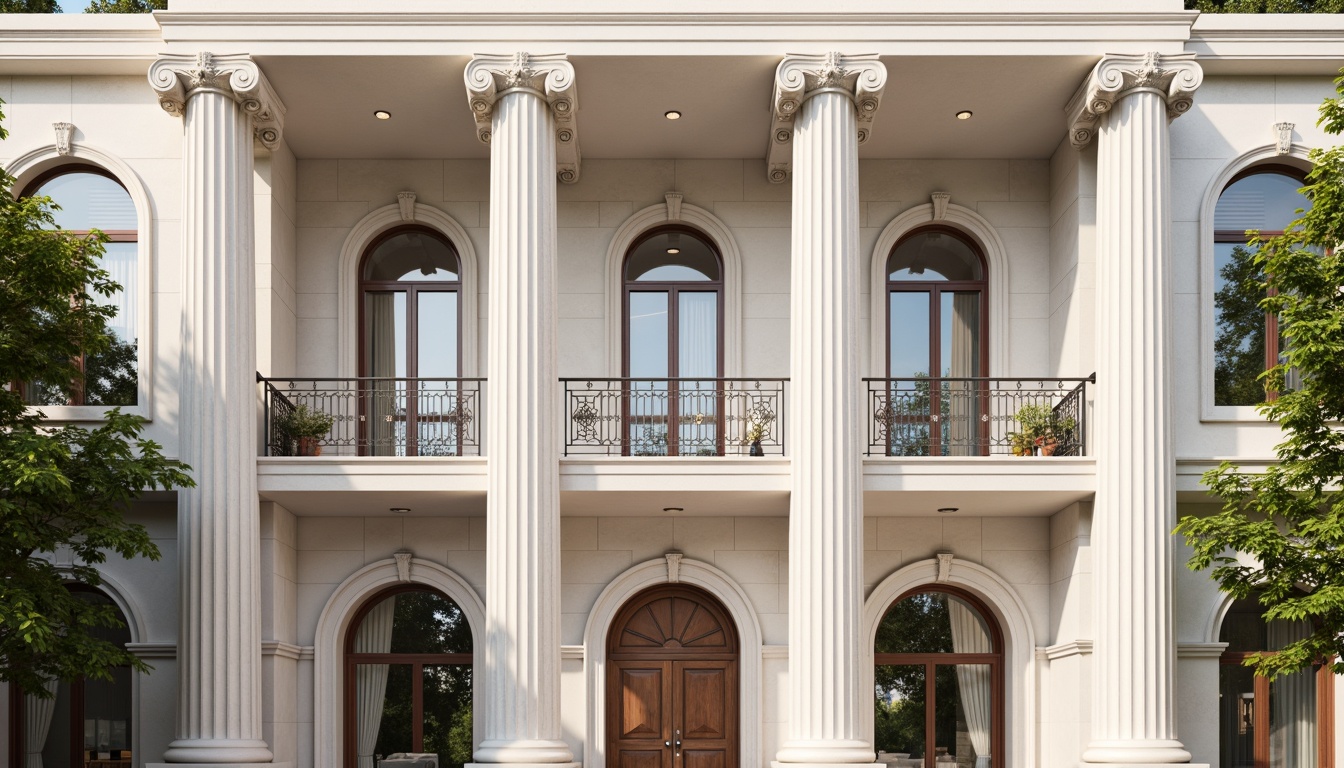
[697, 356]
[37, 721]
[382, 319]
[1292, 705]
[974, 681]
[964, 362]
[119, 261]
[374, 636]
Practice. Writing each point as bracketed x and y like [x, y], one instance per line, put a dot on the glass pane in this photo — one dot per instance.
[111, 377]
[899, 723]
[107, 714]
[909, 335]
[679, 257]
[934, 256]
[1244, 628]
[1292, 720]
[933, 622]
[647, 358]
[964, 715]
[448, 713]
[415, 256]
[1236, 716]
[89, 201]
[385, 359]
[384, 710]
[51, 718]
[697, 355]
[427, 622]
[436, 334]
[1263, 202]
[1239, 327]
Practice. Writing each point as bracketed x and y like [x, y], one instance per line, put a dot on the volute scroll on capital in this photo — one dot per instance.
[1174, 77]
[798, 76]
[550, 76]
[176, 77]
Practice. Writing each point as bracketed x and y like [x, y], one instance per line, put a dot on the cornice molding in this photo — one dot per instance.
[176, 77]
[551, 77]
[1174, 77]
[798, 77]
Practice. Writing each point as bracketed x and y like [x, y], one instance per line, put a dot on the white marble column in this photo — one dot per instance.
[1127, 104]
[516, 101]
[224, 102]
[818, 103]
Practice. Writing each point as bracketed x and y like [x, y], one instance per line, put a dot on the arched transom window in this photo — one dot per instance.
[410, 353]
[939, 680]
[408, 680]
[673, 344]
[87, 198]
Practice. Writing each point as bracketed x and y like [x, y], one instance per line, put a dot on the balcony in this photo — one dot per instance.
[375, 416]
[674, 417]
[977, 417]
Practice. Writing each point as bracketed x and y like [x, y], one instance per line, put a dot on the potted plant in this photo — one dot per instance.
[755, 432]
[1041, 428]
[1022, 443]
[305, 426]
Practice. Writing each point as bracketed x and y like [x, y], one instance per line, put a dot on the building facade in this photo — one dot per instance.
[687, 387]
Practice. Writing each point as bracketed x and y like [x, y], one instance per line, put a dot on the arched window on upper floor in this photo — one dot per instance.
[87, 198]
[937, 326]
[1264, 199]
[673, 350]
[410, 343]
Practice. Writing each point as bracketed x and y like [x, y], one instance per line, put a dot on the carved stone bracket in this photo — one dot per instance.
[63, 134]
[1283, 138]
[940, 201]
[673, 567]
[490, 76]
[176, 77]
[673, 206]
[403, 559]
[945, 566]
[797, 77]
[1174, 77]
[406, 202]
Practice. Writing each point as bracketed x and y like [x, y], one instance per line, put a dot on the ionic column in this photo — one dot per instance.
[1127, 104]
[224, 102]
[819, 102]
[516, 101]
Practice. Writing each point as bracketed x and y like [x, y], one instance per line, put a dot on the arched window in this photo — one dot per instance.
[1246, 340]
[937, 325]
[408, 680]
[410, 350]
[90, 198]
[88, 722]
[939, 680]
[1280, 723]
[673, 344]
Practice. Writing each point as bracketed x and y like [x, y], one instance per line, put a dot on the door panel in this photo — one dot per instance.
[706, 713]
[640, 715]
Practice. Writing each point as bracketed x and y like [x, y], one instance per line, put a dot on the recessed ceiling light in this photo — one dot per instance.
[383, 114]
[673, 510]
[672, 114]
[948, 510]
[399, 510]
[674, 251]
[964, 114]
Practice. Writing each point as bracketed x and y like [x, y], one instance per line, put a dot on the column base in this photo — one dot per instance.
[212, 752]
[1143, 765]
[219, 765]
[824, 752]
[777, 764]
[522, 765]
[1122, 753]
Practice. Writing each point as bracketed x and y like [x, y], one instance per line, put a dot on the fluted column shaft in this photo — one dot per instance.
[1133, 704]
[219, 635]
[826, 506]
[521, 674]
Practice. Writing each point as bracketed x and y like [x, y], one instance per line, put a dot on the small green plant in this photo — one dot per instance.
[1040, 426]
[304, 422]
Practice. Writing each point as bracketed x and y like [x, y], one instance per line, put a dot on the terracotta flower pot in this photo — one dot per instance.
[310, 446]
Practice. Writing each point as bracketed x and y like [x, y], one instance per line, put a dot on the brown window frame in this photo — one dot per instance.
[412, 289]
[931, 661]
[935, 289]
[673, 289]
[113, 236]
[416, 661]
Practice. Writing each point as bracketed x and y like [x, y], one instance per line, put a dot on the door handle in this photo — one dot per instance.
[667, 743]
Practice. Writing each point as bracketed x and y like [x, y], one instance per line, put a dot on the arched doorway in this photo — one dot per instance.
[672, 688]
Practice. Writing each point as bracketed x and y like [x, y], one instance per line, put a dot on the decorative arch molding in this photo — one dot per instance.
[676, 212]
[983, 234]
[1018, 635]
[673, 569]
[334, 622]
[1265, 154]
[27, 167]
[347, 281]
[1213, 625]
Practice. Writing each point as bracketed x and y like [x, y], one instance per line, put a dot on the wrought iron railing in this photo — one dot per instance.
[376, 416]
[674, 417]
[977, 416]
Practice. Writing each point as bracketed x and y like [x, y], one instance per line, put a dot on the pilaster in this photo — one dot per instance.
[224, 102]
[826, 98]
[520, 98]
[1126, 105]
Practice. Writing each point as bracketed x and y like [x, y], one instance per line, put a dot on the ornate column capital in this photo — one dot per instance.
[551, 77]
[1174, 77]
[176, 77]
[799, 76]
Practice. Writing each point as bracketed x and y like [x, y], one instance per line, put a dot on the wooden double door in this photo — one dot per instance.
[672, 682]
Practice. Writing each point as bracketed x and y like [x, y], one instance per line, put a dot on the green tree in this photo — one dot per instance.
[1266, 6]
[62, 487]
[1279, 537]
[126, 6]
[1239, 340]
[29, 6]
